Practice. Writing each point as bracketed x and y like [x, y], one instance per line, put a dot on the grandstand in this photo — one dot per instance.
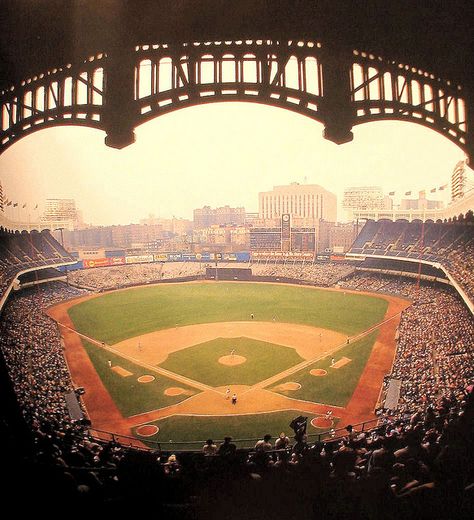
[404, 457]
[445, 245]
[413, 458]
[23, 252]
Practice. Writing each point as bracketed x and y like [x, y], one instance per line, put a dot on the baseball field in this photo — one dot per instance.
[178, 363]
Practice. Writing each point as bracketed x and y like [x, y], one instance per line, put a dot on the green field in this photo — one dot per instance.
[337, 387]
[183, 429]
[200, 362]
[120, 315]
[130, 396]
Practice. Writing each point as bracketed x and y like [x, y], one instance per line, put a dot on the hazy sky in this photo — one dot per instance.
[218, 154]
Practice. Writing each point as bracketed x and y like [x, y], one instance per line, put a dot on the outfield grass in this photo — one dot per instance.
[338, 385]
[200, 362]
[120, 315]
[130, 396]
[186, 428]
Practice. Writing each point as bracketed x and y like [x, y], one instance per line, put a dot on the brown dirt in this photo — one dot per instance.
[290, 385]
[322, 422]
[211, 401]
[341, 362]
[176, 390]
[147, 430]
[156, 346]
[100, 406]
[364, 399]
[146, 379]
[318, 372]
[232, 360]
[122, 371]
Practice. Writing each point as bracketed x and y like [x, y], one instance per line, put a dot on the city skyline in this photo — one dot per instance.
[185, 160]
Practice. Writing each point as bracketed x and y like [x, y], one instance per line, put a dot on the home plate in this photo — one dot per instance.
[343, 361]
[322, 422]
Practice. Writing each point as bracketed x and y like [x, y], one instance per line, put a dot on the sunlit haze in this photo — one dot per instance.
[215, 155]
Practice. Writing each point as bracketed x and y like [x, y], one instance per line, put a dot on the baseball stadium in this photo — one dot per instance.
[279, 364]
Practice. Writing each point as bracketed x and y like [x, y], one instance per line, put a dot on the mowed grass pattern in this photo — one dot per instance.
[187, 428]
[338, 385]
[120, 315]
[200, 362]
[130, 396]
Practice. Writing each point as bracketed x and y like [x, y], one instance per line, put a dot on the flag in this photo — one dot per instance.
[441, 188]
[391, 193]
[433, 190]
[15, 205]
[407, 193]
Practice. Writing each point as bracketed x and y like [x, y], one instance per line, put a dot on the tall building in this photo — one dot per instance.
[458, 181]
[207, 216]
[309, 201]
[364, 198]
[60, 212]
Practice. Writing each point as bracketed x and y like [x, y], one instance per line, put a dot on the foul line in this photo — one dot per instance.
[307, 363]
[260, 385]
[161, 371]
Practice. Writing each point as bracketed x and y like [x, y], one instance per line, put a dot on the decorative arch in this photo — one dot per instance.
[117, 93]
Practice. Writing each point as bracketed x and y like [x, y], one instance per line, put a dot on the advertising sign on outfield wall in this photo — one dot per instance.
[116, 260]
[138, 259]
[161, 257]
[283, 255]
[96, 262]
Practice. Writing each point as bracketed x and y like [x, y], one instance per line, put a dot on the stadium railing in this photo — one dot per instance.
[333, 434]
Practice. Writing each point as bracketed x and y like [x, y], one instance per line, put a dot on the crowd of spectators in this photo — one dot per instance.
[435, 352]
[323, 274]
[106, 278]
[460, 261]
[19, 251]
[417, 463]
[31, 346]
[451, 244]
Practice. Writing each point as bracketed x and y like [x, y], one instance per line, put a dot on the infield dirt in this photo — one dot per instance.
[105, 415]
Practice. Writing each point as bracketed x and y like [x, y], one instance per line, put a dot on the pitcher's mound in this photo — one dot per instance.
[322, 422]
[147, 430]
[146, 379]
[232, 360]
[318, 372]
[288, 386]
[176, 390]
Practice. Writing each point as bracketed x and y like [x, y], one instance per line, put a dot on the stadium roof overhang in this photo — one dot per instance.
[435, 36]
[39, 37]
